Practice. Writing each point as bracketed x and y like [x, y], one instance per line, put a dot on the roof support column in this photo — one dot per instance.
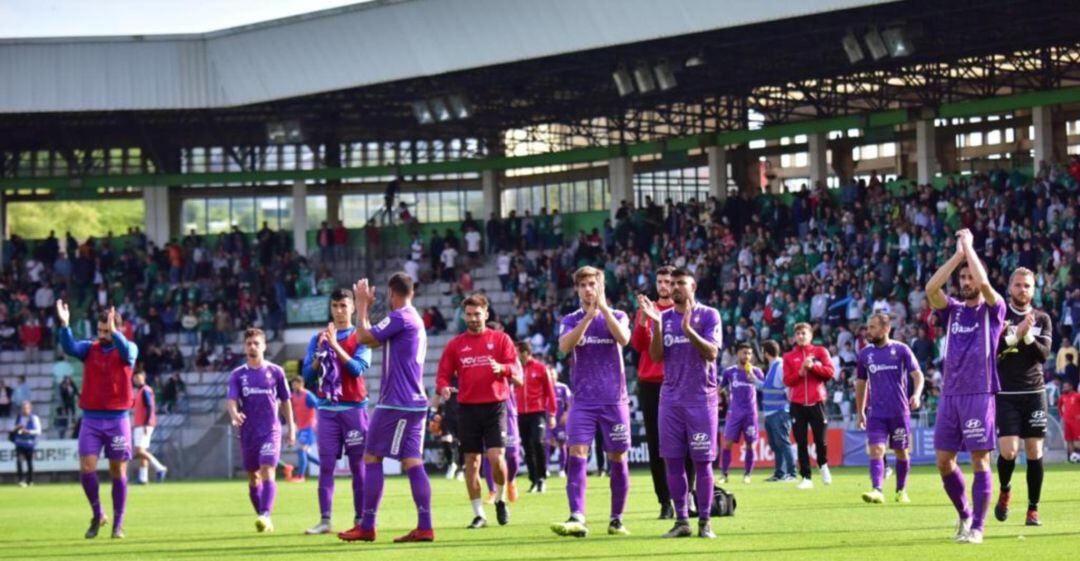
[621, 182]
[1043, 140]
[819, 165]
[718, 172]
[925, 151]
[158, 217]
[299, 210]
[490, 180]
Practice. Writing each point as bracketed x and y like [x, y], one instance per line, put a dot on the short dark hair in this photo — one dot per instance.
[254, 332]
[770, 348]
[401, 284]
[341, 294]
[475, 299]
[524, 346]
[743, 345]
[665, 270]
[680, 272]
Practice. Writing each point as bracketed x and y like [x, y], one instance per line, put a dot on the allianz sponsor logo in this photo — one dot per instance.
[594, 340]
[875, 368]
[956, 328]
[670, 340]
[257, 391]
[741, 384]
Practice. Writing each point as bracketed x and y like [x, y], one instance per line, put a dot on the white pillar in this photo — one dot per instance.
[1043, 140]
[925, 151]
[156, 208]
[621, 182]
[819, 164]
[299, 210]
[718, 175]
[489, 184]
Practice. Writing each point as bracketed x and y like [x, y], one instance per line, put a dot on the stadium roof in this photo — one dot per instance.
[349, 47]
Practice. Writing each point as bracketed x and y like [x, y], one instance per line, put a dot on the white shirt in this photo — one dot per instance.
[448, 257]
[472, 241]
[504, 264]
[412, 268]
[417, 250]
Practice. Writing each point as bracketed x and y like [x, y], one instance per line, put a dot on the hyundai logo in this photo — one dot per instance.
[973, 423]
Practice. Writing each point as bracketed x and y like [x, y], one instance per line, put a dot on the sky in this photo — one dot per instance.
[89, 18]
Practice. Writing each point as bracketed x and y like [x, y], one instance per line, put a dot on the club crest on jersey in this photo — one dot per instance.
[490, 346]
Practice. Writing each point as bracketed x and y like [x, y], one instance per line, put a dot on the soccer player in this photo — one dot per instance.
[740, 382]
[1021, 404]
[535, 399]
[305, 406]
[650, 379]
[883, 366]
[335, 363]
[687, 339]
[483, 361]
[255, 389]
[557, 435]
[397, 425]
[965, 415]
[594, 337]
[145, 415]
[806, 369]
[105, 400]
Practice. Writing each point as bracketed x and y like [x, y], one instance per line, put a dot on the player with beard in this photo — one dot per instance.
[966, 412]
[883, 367]
[1021, 403]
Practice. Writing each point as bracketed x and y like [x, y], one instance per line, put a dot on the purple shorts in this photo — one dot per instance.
[558, 434]
[613, 421]
[688, 428]
[112, 435]
[894, 431]
[512, 439]
[397, 434]
[260, 446]
[743, 426]
[965, 423]
[342, 431]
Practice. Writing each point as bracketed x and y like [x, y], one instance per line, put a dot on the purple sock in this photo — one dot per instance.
[91, 487]
[326, 489]
[373, 489]
[748, 459]
[512, 466]
[620, 487]
[575, 484]
[421, 494]
[954, 487]
[877, 473]
[902, 469]
[356, 467]
[485, 467]
[563, 457]
[255, 494]
[725, 461]
[119, 501]
[678, 486]
[704, 488]
[268, 495]
[981, 490]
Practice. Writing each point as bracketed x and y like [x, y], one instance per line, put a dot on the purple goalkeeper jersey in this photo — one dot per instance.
[597, 373]
[971, 341]
[887, 368]
[404, 343]
[257, 392]
[688, 378]
[742, 389]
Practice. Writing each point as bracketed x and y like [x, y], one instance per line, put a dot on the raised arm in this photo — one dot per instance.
[977, 270]
[934, 293]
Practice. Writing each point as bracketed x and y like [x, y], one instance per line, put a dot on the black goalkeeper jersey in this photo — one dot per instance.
[1020, 366]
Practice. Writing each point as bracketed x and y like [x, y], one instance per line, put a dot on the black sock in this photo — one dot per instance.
[1034, 482]
[1005, 471]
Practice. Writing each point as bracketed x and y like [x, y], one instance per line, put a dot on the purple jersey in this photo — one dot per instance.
[688, 378]
[404, 343]
[887, 368]
[257, 392]
[563, 396]
[970, 353]
[742, 390]
[597, 374]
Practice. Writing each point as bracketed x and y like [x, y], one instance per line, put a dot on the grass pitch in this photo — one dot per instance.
[214, 520]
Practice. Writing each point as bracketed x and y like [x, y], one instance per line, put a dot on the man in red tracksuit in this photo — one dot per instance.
[806, 369]
[650, 378]
[536, 412]
[485, 363]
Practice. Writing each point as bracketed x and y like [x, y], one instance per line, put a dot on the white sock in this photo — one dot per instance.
[158, 466]
[478, 508]
[143, 474]
[499, 493]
